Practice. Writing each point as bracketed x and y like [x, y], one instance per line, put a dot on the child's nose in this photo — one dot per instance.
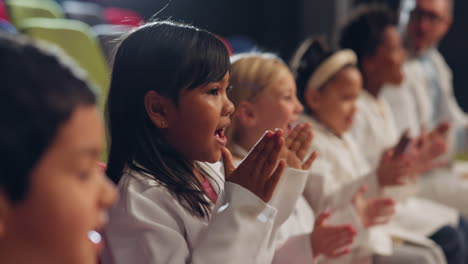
[299, 107]
[228, 108]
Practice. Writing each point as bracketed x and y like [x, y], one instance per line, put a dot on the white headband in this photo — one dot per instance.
[331, 66]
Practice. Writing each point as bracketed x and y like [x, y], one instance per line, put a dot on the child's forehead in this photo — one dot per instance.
[345, 75]
[283, 79]
[224, 81]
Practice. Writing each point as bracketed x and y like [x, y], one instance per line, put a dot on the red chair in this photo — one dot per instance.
[3, 12]
[120, 16]
[227, 44]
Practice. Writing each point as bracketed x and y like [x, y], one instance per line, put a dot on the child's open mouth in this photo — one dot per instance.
[220, 137]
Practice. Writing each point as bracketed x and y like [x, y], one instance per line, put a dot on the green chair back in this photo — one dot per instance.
[79, 42]
[19, 10]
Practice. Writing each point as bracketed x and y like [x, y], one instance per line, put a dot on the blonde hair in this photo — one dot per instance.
[250, 74]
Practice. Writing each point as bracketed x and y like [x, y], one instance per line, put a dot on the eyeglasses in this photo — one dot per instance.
[419, 14]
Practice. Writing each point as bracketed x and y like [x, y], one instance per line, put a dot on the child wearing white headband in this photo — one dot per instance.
[329, 84]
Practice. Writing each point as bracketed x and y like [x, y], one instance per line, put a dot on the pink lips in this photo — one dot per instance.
[220, 137]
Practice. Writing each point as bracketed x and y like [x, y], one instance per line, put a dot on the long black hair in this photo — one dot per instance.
[166, 57]
[38, 92]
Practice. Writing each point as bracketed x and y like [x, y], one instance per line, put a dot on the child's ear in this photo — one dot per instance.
[4, 209]
[312, 99]
[156, 108]
[245, 114]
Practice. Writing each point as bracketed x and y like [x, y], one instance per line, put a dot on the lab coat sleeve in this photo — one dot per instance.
[403, 107]
[237, 229]
[290, 187]
[360, 132]
[344, 194]
[456, 116]
[155, 232]
[322, 193]
[296, 250]
[318, 184]
[455, 111]
[452, 110]
[460, 124]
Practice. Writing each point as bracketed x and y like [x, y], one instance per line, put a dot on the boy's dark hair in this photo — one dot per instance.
[166, 57]
[38, 93]
[363, 33]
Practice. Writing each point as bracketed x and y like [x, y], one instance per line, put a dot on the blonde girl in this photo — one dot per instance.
[265, 98]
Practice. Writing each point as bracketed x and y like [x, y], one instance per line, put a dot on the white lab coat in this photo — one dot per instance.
[408, 102]
[148, 225]
[293, 236]
[418, 87]
[374, 130]
[338, 172]
[412, 107]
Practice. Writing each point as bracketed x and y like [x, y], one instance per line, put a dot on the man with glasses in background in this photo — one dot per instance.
[429, 22]
[426, 103]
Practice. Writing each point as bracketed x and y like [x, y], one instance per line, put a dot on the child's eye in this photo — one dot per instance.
[84, 175]
[229, 89]
[288, 97]
[214, 91]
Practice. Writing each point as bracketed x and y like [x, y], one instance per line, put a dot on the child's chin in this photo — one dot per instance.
[214, 158]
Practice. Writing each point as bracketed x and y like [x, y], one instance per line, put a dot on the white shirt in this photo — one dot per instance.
[293, 236]
[375, 131]
[428, 99]
[148, 225]
[338, 172]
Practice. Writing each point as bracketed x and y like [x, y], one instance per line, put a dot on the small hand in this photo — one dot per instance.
[430, 147]
[374, 211]
[297, 145]
[261, 170]
[393, 170]
[331, 241]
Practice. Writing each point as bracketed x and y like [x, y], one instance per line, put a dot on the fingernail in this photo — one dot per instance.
[282, 163]
[279, 132]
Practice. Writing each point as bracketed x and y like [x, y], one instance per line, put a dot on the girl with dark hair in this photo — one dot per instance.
[381, 56]
[330, 83]
[53, 194]
[167, 114]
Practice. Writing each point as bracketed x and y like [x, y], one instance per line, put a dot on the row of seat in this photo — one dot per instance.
[83, 30]
[89, 13]
[86, 31]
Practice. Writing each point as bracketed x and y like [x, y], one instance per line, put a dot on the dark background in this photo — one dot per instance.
[279, 25]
